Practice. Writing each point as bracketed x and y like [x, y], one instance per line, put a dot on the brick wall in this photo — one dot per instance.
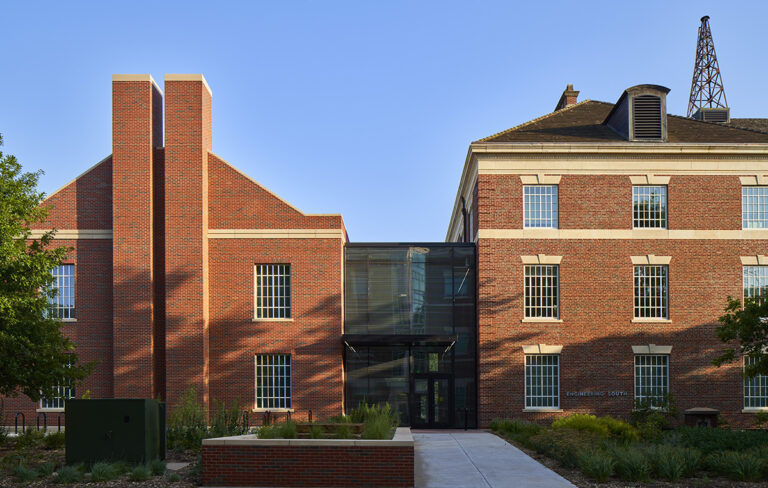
[319, 466]
[596, 296]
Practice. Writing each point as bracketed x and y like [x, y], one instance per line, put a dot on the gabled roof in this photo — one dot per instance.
[583, 122]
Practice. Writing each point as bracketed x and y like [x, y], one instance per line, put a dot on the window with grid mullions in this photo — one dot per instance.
[542, 381]
[755, 282]
[651, 292]
[273, 381]
[755, 388]
[272, 286]
[542, 290]
[754, 207]
[540, 206]
[62, 298]
[649, 207]
[652, 379]
[61, 393]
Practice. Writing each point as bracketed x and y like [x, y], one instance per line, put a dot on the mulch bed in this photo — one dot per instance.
[190, 476]
[577, 477]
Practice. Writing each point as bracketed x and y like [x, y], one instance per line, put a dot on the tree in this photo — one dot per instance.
[35, 356]
[747, 326]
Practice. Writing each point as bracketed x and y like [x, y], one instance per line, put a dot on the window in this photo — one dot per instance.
[652, 378]
[649, 207]
[540, 206]
[754, 207]
[64, 391]
[651, 292]
[273, 381]
[542, 291]
[755, 282]
[542, 381]
[272, 284]
[755, 388]
[62, 300]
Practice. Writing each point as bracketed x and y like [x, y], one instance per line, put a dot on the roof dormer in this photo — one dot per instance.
[640, 114]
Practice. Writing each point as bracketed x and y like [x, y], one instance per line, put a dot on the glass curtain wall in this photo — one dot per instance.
[410, 331]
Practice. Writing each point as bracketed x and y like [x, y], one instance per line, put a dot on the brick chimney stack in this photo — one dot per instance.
[568, 98]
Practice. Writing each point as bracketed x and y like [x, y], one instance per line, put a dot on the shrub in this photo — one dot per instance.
[379, 420]
[516, 429]
[140, 473]
[24, 474]
[582, 422]
[186, 423]
[121, 467]
[740, 466]
[157, 467]
[631, 463]
[68, 474]
[287, 430]
[174, 477]
[377, 428]
[226, 421]
[596, 464]
[619, 429]
[29, 438]
[267, 432]
[344, 431]
[563, 445]
[55, 440]
[102, 471]
[672, 463]
[46, 469]
[716, 439]
[316, 432]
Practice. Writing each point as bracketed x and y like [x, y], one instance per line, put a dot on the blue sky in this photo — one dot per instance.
[362, 108]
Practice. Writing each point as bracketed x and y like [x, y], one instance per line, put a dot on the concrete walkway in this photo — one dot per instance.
[478, 459]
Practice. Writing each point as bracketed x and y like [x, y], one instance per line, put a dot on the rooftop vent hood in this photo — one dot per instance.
[640, 114]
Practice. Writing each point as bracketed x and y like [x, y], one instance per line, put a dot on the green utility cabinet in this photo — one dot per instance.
[131, 430]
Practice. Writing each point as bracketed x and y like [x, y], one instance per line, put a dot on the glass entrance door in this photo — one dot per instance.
[431, 400]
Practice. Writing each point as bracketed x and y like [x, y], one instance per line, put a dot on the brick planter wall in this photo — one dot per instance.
[248, 461]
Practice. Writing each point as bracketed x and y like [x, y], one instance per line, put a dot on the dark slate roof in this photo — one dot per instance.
[751, 124]
[583, 122]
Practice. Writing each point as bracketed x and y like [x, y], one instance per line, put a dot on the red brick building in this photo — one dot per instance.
[171, 244]
[609, 237]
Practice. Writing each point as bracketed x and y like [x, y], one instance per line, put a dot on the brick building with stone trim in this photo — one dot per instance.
[607, 238]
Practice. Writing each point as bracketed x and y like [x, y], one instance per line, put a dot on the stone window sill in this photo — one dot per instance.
[651, 321]
[271, 320]
[50, 410]
[555, 410]
[67, 320]
[542, 320]
[272, 410]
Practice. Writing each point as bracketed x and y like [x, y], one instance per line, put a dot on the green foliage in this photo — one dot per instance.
[287, 430]
[268, 432]
[741, 466]
[666, 461]
[30, 438]
[46, 469]
[631, 463]
[140, 473]
[121, 467]
[35, 353]
[602, 426]
[55, 440]
[564, 445]
[344, 431]
[596, 464]
[187, 426]
[712, 440]
[24, 474]
[379, 420]
[743, 325]
[316, 432]
[226, 421]
[516, 429]
[157, 467]
[761, 418]
[173, 477]
[102, 471]
[68, 474]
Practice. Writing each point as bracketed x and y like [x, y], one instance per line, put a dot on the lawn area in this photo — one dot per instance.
[591, 450]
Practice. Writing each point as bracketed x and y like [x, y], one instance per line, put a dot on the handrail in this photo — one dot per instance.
[16, 423]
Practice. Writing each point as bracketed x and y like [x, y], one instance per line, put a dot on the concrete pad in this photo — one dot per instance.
[479, 460]
[175, 466]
